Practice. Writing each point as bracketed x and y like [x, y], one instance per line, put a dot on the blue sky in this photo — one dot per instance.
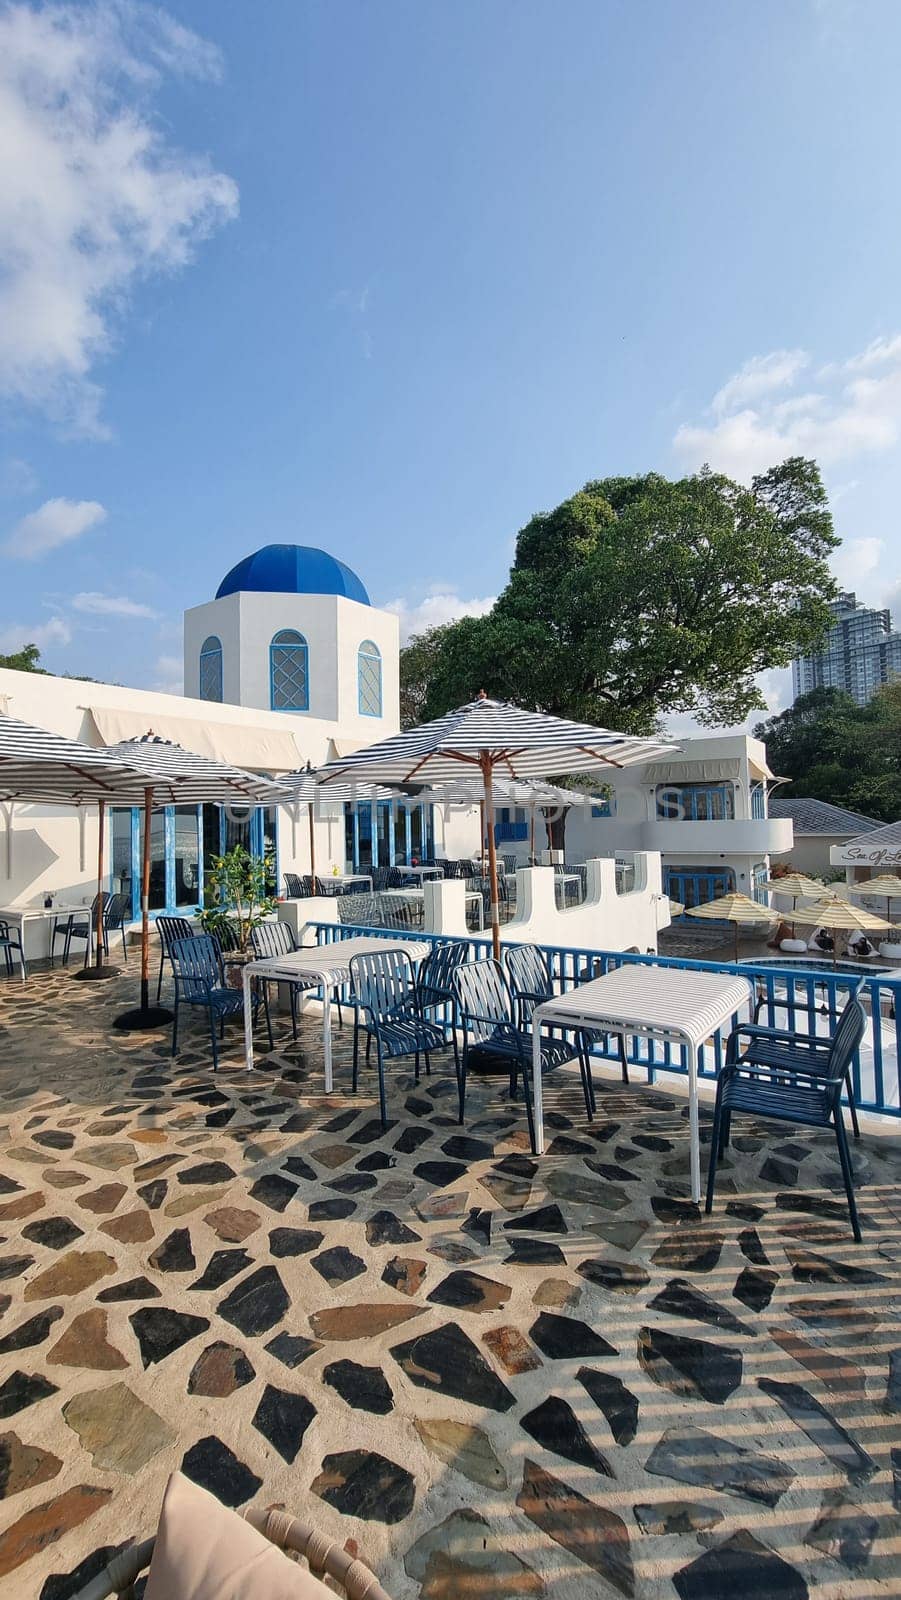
[389, 278]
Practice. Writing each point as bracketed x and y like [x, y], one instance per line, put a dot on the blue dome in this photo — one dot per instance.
[293, 569]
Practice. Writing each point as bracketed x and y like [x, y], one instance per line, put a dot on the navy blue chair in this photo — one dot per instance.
[528, 972]
[279, 939]
[493, 1037]
[388, 1012]
[797, 1088]
[200, 981]
[168, 930]
[769, 1045]
[78, 925]
[116, 916]
[11, 944]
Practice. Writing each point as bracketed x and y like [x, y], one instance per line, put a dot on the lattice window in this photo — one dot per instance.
[369, 676]
[289, 672]
[211, 669]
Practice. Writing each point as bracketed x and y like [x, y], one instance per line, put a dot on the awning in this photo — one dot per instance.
[692, 771]
[255, 749]
[339, 748]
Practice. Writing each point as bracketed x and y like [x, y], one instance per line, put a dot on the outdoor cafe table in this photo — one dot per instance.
[671, 1004]
[20, 915]
[325, 964]
[421, 872]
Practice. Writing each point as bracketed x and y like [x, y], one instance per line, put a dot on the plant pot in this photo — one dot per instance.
[234, 962]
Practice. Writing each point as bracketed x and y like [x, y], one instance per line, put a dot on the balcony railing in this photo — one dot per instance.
[876, 1070]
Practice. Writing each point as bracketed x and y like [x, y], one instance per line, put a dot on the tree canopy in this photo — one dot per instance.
[642, 597]
[835, 750]
[25, 660]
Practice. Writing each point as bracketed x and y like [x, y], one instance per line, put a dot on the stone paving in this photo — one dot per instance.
[498, 1376]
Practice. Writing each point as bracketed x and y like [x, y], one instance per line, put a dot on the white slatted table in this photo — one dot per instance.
[671, 1004]
[20, 915]
[325, 964]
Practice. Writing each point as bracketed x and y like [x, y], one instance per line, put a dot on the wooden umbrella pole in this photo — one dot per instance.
[485, 764]
[145, 902]
[312, 849]
[482, 836]
[101, 828]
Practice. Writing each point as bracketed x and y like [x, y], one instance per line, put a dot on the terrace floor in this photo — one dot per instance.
[498, 1376]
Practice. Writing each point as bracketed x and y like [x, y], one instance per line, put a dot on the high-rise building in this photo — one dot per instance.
[860, 654]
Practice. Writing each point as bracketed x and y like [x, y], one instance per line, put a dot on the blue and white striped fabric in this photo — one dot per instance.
[44, 768]
[181, 777]
[513, 742]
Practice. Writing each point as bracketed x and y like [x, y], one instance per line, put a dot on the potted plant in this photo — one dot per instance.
[237, 899]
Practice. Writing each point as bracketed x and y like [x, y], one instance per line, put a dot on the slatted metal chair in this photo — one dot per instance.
[279, 939]
[200, 981]
[493, 1038]
[361, 910]
[770, 1045]
[383, 984]
[530, 976]
[169, 929]
[78, 925]
[116, 916]
[12, 945]
[795, 1089]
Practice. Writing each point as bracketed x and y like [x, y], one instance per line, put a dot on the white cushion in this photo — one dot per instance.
[203, 1551]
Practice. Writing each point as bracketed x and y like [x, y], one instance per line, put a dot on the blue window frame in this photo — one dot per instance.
[694, 886]
[182, 840]
[369, 679]
[387, 833]
[211, 668]
[510, 829]
[605, 808]
[758, 802]
[289, 672]
[695, 802]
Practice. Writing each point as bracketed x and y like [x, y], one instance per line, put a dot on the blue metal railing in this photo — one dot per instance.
[803, 1000]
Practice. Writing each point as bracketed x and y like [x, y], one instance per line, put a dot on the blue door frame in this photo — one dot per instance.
[694, 886]
[171, 907]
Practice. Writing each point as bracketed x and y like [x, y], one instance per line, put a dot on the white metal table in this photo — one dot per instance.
[421, 872]
[325, 964]
[678, 1006]
[345, 877]
[21, 915]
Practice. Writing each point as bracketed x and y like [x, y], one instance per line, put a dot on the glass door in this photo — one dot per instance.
[186, 857]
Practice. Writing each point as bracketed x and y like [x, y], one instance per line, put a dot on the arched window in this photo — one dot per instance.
[369, 679]
[289, 672]
[211, 669]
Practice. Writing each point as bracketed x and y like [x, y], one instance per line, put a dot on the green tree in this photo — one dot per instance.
[25, 660]
[834, 750]
[641, 597]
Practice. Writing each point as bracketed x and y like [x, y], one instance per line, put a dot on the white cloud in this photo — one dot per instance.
[856, 559]
[17, 477]
[849, 409]
[16, 635]
[762, 375]
[110, 605]
[93, 196]
[438, 606]
[54, 523]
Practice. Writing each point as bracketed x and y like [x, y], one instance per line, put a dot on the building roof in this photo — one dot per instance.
[293, 569]
[818, 816]
[882, 838]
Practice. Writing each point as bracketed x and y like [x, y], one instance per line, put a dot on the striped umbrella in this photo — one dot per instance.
[833, 912]
[887, 887]
[490, 737]
[44, 768]
[531, 794]
[738, 909]
[305, 788]
[168, 775]
[798, 887]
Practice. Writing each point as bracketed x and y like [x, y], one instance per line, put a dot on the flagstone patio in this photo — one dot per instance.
[498, 1376]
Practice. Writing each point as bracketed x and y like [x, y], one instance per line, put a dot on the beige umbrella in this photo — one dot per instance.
[735, 908]
[797, 886]
[832, 912]
[887, 888]
[676, 908]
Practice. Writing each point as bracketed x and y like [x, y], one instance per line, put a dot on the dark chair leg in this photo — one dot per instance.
[264, 988]
[624, 1059]
[841, 1139]
[213, 1038]
[356, 1057]
[159, 979]
[714, 1149]
[428, 1064]
[292, 992]
[383, 1103]
[175, 1025]
[461, 1083]
[527, 1096]
[852, 1104]
[586, 1081]
[416, 1068]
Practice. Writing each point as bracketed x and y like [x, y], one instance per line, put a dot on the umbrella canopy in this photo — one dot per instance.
[490, 737]
[736, 908]
[832, 912]
[676, 908]
[168, 775]
[795, 885]
[887, 887]
[45, 769]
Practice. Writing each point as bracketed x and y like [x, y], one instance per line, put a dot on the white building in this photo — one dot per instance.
[290, 663]
[706, 812]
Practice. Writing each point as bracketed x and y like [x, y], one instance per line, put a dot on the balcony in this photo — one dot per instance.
[741, 836]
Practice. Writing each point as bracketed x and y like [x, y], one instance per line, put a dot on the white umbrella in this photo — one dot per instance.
[489, 737]
[173, 776]
[305, 788]
[44, 768]
[735, 908]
